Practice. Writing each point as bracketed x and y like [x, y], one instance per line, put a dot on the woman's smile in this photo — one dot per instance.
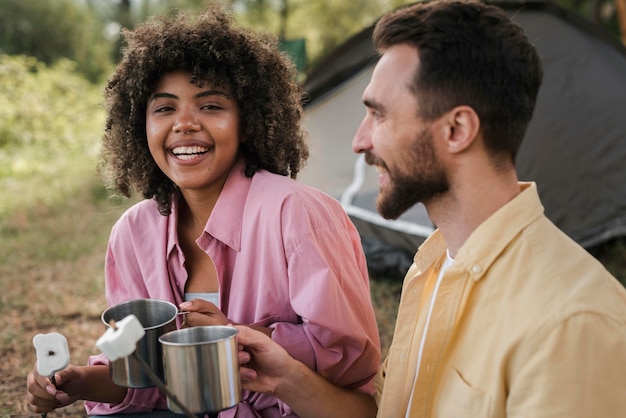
[189, 153]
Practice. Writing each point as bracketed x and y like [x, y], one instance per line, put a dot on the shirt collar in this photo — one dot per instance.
[172, 227]
[226, 220]
[489, 240]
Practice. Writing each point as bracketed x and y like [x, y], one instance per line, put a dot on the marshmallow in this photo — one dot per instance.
[121, 339]
[53, 354]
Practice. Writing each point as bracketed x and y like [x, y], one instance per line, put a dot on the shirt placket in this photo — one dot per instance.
[447, 311]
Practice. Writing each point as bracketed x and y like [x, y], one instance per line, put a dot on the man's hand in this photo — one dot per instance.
[264, 362]
[266, 367]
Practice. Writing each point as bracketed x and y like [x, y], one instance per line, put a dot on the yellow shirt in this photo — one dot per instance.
[526, 323]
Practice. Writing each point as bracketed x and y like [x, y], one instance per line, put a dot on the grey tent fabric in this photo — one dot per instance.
[575, 147]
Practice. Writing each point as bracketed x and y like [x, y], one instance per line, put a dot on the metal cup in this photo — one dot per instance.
[157, 318]
[202, 368]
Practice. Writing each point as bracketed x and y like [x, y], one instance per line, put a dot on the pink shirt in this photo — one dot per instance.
[287, 257]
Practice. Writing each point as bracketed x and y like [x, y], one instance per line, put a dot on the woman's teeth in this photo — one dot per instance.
[187, 153]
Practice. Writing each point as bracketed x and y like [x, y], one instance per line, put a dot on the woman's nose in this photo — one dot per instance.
[186, 122]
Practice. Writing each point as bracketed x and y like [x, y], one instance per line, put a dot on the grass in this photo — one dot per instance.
[51, 276]
[51, 264]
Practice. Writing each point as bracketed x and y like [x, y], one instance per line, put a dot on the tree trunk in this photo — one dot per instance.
[284, 14]
[620, 5]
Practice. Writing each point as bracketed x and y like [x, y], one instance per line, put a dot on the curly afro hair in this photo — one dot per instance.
[210, 47]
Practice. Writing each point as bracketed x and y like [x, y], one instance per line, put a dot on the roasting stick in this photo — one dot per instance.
[155, 379]
[53, 355]
[120, 340]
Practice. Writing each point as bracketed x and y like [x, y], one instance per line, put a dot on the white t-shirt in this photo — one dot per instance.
[214, 298]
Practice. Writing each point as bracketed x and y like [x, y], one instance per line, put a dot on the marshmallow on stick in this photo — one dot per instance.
[120, 339]
[53, 354]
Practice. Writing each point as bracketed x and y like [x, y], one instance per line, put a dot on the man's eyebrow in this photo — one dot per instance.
[372, 104]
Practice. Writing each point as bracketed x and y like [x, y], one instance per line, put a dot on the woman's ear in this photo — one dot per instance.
[463, 127]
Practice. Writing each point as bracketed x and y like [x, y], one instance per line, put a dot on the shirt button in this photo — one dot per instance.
[476, 269]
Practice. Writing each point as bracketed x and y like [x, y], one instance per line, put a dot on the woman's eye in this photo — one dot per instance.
[161, 109]
[212, 106]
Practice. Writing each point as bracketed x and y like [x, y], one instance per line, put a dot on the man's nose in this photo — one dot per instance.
[362, 138]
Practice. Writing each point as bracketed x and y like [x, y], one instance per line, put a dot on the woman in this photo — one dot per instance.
[203, 119]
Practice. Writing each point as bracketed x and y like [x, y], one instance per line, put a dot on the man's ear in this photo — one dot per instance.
[463, 126]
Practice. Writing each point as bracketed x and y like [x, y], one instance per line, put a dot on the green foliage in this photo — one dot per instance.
[51, 120]
[323, 23]
[51, 30]
[75, 29]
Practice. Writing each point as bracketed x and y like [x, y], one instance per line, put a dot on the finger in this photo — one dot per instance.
[244, 357]
[198, 305]
[202, 318]
[41, 402]
[36, 385]
[42, 381]
[249, 337]
[193, 319]
[247, 375]
[58, 380]
[62, 398]
[64, 376]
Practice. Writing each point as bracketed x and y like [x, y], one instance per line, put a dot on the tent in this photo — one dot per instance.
[575, 147]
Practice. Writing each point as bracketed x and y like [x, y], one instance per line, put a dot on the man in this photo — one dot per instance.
[501, 314]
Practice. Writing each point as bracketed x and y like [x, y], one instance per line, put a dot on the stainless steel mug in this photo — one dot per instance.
[202, 368]
[157, 318]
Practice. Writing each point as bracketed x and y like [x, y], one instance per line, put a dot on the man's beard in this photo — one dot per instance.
[427, 178]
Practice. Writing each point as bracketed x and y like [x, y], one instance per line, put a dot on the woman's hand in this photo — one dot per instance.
[44, 396]
[72, 384]
[201, 312]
